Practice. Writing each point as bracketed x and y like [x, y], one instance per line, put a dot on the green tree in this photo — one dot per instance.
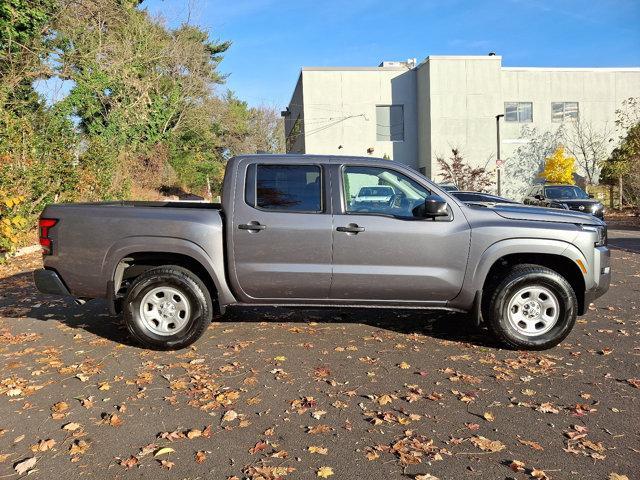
[142, 111]
[623, 165]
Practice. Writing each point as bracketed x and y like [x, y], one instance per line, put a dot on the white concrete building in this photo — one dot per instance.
[414, 113]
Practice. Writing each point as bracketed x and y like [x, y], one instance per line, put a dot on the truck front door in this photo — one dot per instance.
[281, 232]
[382, 251]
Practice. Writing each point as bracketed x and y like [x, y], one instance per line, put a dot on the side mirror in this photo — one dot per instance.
[539, 197]
[591, 195]
[434, 206]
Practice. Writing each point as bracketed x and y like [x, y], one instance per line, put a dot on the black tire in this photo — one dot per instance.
[520, 277]
[194, 293]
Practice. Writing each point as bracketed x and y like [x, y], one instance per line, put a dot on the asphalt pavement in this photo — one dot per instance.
[302, 394]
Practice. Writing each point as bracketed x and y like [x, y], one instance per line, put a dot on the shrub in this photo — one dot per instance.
[462, 175]
[11, 222]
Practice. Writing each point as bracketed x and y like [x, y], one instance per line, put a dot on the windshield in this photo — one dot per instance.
[565, 192]
[375, 192]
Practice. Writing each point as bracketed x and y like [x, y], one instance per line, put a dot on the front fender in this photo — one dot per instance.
[479, 267]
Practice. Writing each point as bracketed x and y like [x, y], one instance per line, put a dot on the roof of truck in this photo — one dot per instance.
[284, 157]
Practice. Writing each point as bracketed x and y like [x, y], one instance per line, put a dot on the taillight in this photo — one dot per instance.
[45, 224]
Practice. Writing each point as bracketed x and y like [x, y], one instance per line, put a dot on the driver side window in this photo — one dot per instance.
[375, 190]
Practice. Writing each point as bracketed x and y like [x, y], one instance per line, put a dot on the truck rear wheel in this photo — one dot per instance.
[533, 308]
[167, 308]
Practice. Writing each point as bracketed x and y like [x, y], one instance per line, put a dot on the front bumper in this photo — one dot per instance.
[601, 275]
[48, 281]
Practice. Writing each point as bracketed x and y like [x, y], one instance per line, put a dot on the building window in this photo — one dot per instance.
[293, 188]
[521, 112]
[561, 111]
[390, 123]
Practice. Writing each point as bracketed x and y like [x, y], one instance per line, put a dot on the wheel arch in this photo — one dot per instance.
[138, 254]
[561, 264]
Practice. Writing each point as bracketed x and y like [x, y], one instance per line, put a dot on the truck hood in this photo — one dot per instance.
[541, 214]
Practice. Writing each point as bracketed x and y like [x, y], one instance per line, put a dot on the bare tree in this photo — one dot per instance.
[523, 168]
[462, 175]
[266, 128]
[589, 145]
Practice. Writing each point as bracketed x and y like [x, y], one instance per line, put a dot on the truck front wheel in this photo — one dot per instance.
[167, 308]
[533, 308]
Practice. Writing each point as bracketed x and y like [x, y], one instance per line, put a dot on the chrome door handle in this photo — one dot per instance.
[252, 227]
[351, 228]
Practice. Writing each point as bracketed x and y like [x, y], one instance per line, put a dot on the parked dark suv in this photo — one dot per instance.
[568, 197]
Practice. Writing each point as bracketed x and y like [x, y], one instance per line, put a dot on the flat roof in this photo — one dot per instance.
[353, 69]
[573, 69]
[467, 57]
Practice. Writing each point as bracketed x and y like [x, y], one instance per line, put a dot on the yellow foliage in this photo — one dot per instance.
[559, 168]
[10, 221]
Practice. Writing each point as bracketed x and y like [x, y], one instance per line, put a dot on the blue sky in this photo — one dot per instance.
[273, 39]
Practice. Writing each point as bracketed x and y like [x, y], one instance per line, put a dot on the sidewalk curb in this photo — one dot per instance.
[21, 252]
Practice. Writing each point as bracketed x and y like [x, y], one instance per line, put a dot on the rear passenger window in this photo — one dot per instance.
[292, 188]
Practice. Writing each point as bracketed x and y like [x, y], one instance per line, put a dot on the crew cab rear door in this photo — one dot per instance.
[383, 252]
[281, 232]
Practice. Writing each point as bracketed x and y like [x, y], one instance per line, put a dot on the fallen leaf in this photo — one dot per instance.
[617, 476]
[71, 427]
[324, 472]
[167, 464]
[25, 465]
[260, 446]
[163, 451]
[426, 476]
[488, 416]
[320, 428]
[318, 450]
[487, 445]
[385, 399]
[547, 408]
[404, 365]
[532, 444]
[539, 474]
[318, 414]
[517, 466]
[634, 382]
[43, 445]
[194, 433]
[200, 456]
[60, 407]
[372, 455]
[229, 416]
[111, 419]
[130, 462]
[78, 447]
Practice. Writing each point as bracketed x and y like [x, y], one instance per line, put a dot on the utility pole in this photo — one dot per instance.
[498, 160]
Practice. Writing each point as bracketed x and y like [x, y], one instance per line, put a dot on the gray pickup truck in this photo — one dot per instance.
[290, 232]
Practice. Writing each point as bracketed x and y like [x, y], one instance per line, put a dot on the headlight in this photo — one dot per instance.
[595, 207]
[600, 231]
